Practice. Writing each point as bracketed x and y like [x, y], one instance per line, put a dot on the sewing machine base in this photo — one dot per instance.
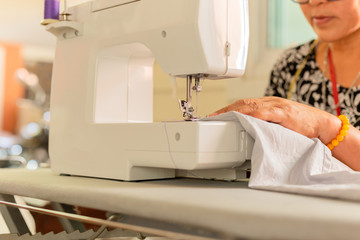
[241, 173]
[142, 151]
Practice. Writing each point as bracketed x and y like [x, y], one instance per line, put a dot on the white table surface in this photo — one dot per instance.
[229, 207]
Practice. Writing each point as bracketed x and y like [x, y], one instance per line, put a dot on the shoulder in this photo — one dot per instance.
[299, 51]
[285, 68]
[293, 56]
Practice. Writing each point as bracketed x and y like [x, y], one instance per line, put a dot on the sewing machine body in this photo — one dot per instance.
[102, 88]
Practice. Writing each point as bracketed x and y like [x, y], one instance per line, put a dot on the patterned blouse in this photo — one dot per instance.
[312, 87]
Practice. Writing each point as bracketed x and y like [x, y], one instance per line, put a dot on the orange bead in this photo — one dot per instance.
[343, 132]
[346, 127]
[340, 138]
[344, 119]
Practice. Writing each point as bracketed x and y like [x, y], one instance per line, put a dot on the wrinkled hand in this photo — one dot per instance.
[306, 120]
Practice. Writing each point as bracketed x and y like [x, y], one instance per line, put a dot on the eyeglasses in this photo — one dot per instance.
[307, 1]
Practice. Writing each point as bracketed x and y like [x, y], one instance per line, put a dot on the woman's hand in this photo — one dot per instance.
[306, 120]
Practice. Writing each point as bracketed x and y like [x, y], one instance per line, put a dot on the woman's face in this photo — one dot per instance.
[333, 20]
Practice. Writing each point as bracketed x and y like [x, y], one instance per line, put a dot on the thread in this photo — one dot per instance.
[51, 9]
[169, 149]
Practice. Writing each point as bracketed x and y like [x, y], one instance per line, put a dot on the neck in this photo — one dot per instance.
[349, 44]
[345, 56]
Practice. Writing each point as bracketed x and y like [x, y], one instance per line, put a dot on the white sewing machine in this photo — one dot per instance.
[102, 88]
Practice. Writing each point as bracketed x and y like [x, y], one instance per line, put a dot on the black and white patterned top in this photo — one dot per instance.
[312, 87]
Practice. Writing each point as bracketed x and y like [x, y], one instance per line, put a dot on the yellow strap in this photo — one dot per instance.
[299, 70]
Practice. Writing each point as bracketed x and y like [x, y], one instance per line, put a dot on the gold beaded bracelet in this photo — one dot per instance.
[343, 132]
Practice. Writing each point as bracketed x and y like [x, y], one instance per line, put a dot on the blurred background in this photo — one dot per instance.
[26, 55]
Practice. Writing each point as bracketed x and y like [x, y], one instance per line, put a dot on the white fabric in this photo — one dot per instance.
[283, 160]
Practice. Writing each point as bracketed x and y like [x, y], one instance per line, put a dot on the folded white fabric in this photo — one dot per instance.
[283, 160]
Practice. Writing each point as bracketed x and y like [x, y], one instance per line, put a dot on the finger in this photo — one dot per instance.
[263, 108]
[245, 106]
[220, 111]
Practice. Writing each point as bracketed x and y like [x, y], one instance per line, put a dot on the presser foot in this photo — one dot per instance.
[187, 110]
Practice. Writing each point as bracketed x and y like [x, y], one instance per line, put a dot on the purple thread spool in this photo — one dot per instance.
[51, 9]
